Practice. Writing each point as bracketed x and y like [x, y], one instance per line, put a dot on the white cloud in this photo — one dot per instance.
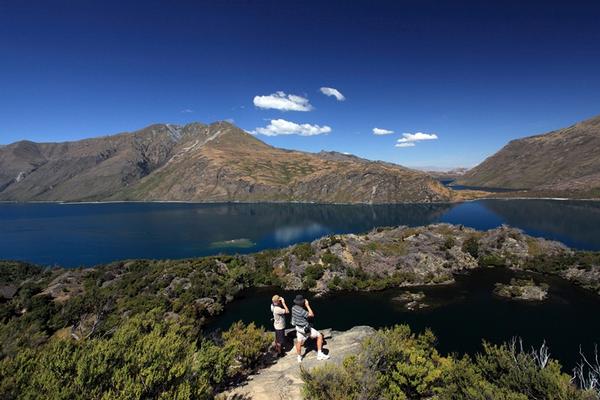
[410, 139]
[381, 131]
[417, 137]
[328, 91]
[283, 102]
[282, 127]
[187, 111]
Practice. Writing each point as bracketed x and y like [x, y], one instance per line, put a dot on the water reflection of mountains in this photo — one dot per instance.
[289, 222]
[577, 223]
[89, 234]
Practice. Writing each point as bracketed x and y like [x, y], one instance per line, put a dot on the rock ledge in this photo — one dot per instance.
[281, 380]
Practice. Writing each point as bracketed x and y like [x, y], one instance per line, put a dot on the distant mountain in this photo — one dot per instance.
[446, 175]
[197, 162]
[566, 161]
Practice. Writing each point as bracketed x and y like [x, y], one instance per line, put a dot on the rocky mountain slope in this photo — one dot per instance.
[566, 160]
[196, 162]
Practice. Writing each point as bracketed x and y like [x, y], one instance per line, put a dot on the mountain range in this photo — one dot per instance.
[562, 162]
[197, 162]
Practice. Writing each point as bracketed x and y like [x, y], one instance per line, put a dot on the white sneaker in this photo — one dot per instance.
[299, 359]
[322, 356]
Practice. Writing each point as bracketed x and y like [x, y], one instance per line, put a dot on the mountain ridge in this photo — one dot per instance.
[564, 160]
[199, 162]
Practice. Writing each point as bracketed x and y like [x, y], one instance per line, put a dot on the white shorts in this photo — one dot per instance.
[302, 337]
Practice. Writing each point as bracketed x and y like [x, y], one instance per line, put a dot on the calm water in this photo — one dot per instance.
[461, 314]
[449, 183]
[88, 234]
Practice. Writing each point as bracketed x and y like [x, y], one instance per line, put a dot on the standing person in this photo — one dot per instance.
[279, 309]
[301, 311]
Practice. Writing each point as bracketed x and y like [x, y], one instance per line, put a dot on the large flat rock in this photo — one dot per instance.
[281, 380]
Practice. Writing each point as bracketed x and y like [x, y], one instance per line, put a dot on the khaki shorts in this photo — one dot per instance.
[302, 337]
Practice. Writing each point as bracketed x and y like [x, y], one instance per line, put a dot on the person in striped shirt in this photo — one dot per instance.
[301, 311]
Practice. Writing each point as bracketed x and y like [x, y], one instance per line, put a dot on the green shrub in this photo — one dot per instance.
[393, 364]
[311, 275]
[449, 243]
[471, 246]
[145, 358]
[329, 382]
[507, 366]
[247, 344]
[492, 260]
[264, 274]
[465, 382]
[303, 251]
[331, 260]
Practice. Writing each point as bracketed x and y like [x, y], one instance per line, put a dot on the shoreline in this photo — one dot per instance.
[291, 202]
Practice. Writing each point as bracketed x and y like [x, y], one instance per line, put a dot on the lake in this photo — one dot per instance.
[73, 235]
[461, 314]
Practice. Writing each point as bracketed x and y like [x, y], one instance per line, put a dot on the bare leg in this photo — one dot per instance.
[298, 347]
[319, 342]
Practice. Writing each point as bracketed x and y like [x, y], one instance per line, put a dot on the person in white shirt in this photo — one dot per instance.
[279, 309]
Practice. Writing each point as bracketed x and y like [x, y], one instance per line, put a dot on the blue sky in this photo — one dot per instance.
[473, 73]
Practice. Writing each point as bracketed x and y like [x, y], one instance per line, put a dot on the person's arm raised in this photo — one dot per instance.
[287, 311]
[310, 311]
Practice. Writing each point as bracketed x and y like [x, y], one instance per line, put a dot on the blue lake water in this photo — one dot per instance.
[88, 234]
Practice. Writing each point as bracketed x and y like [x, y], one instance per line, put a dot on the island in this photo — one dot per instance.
[522, 289]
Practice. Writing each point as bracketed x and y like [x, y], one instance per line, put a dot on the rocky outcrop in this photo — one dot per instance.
[66, 285]
[405, 256]
[197, 162]
[411, 300]
[281, 380]
[522, 289]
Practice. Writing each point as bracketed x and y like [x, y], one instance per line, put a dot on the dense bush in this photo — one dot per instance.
[146, 357]
[17, 272]
[397, 364]
[392, 364]
[246, 344]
